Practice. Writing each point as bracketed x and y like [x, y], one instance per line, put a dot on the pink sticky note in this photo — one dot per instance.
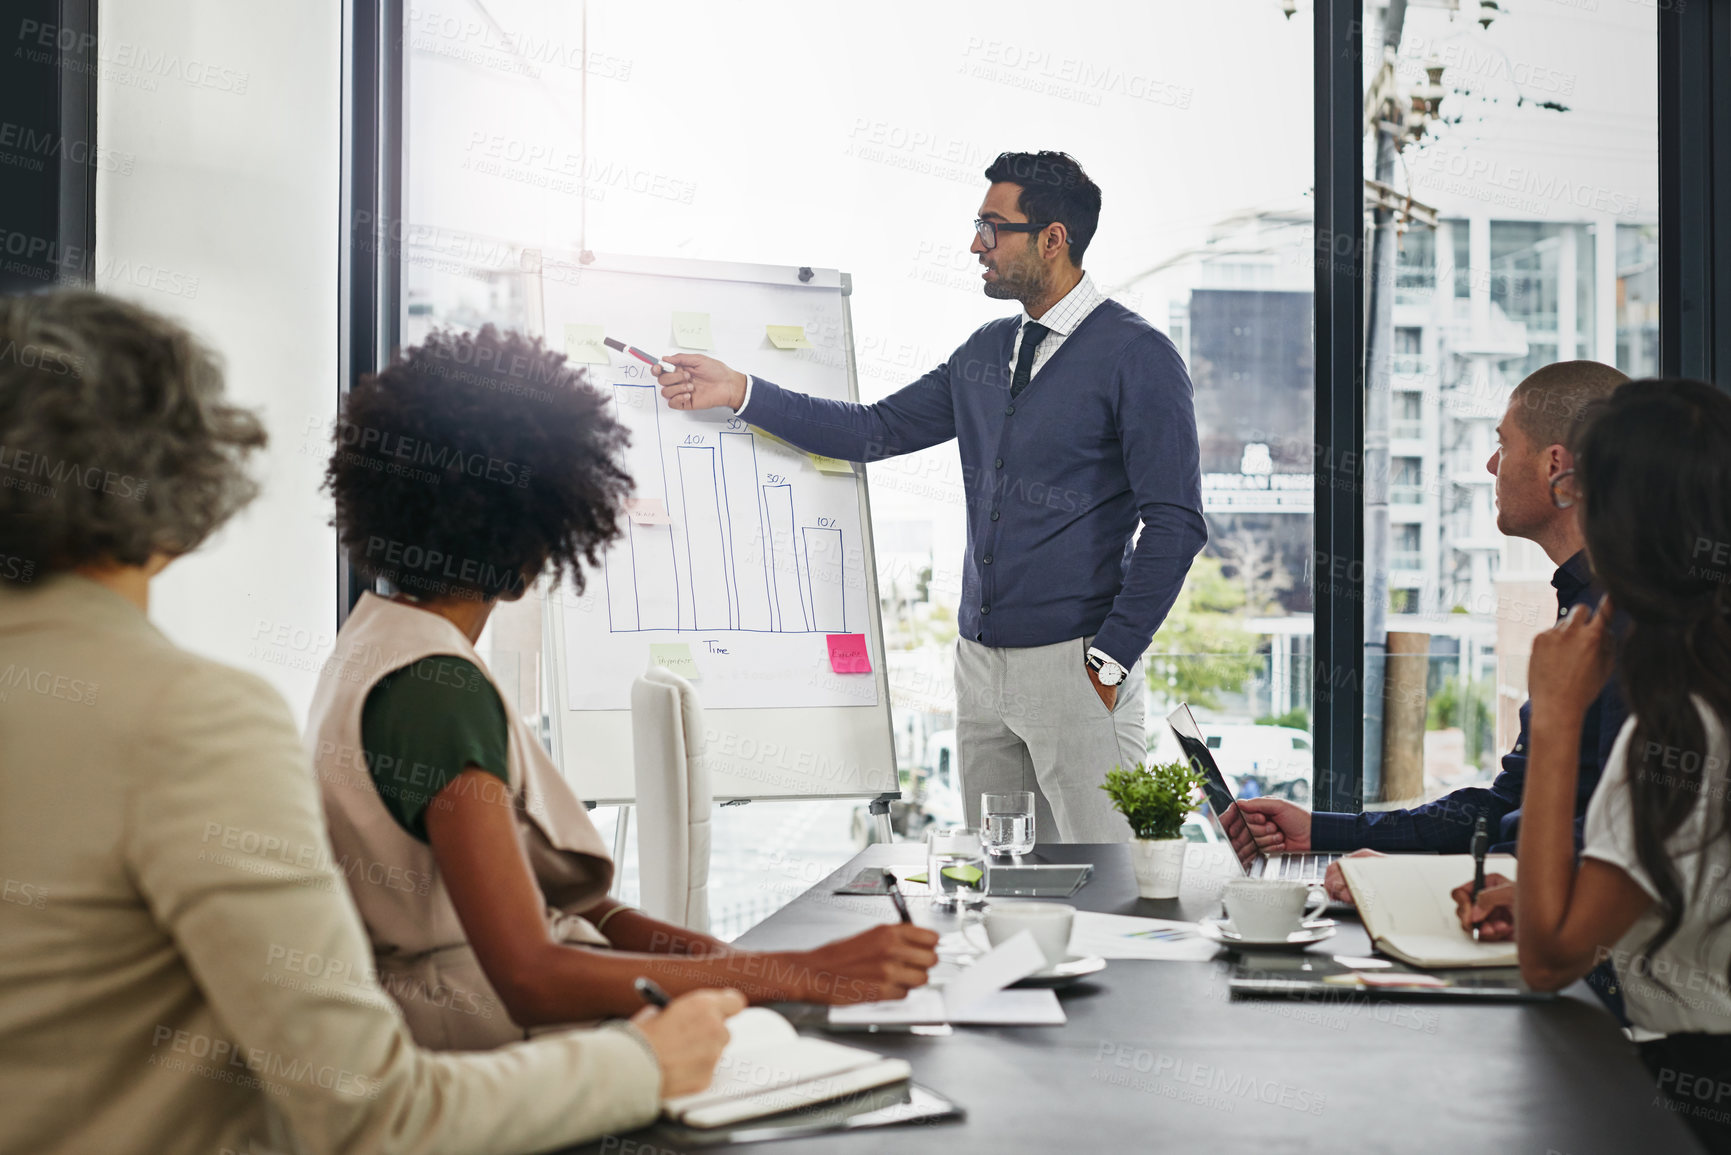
[848, 654]
[647, 511]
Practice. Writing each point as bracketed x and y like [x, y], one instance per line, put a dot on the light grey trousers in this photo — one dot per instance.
[1029, 719]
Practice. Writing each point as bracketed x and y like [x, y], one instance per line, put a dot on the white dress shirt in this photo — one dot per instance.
[1071, 310]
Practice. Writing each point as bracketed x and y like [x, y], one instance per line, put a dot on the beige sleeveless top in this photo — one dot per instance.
[423, 957]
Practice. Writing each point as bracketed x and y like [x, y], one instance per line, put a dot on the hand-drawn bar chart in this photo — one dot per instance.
[739, 555]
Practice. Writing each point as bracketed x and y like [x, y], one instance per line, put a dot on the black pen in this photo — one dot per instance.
[651, 992]
[896, 897]
[1481, 843]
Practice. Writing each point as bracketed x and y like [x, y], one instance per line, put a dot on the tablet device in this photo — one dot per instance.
[1316, 977]
[1030, 880]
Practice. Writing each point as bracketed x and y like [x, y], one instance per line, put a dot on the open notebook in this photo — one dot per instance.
[1405, 904]
[768, 1068]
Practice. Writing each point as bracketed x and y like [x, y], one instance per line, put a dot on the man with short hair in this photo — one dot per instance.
[1534, 494]
[1073, 421]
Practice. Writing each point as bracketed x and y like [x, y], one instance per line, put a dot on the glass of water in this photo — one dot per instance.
[1008, 822]
[955, 867]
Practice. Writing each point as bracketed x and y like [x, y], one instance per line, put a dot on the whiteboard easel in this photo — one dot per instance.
[760, 751]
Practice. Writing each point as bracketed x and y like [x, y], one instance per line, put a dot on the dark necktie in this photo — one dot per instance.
[1032, 334]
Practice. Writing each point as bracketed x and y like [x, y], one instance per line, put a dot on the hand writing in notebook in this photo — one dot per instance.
[1494, 912]
[688, 1036]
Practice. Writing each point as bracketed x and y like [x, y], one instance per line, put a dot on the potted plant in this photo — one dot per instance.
[1155, 800]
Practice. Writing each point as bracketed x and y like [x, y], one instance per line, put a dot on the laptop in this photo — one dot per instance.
[1308, 867]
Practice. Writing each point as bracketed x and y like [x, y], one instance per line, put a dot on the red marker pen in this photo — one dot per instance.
[660, 365]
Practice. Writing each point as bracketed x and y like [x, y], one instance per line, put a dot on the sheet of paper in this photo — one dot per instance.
[1037, 1008]
[691, 330]
[583, 344]
[1125, 936]
[748, 553]
[675, 657]
[833, 465]
[974, 994]
[647, 511]
[1015, 958]
[848, 654]
[788, 336]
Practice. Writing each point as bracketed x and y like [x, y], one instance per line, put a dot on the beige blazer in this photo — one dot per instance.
[423, 955]
[181, 966]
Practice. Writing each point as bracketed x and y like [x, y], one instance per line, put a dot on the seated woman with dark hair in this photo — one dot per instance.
[460, 487]
[180, 970]
[1653, 490]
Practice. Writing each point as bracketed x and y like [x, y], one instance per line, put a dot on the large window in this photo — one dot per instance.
[1519, 215]
[1539, 167]
[831, 137]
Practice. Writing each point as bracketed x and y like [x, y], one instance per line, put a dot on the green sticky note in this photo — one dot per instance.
[966, 875]
[920, 877]
[788, 336]
[830, 464]
[691, 330]
[583, 344]
[676, 657]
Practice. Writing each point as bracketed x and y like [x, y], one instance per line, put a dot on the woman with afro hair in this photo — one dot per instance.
[470, 467]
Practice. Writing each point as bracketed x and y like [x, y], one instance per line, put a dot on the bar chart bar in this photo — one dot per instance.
[784, 561]
[823, 577]
[642, 588]
[706, 585]
[747, 550]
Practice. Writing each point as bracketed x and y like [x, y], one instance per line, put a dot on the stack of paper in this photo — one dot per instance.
[975, 997]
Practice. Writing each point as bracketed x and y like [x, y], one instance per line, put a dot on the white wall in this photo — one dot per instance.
[227, 217]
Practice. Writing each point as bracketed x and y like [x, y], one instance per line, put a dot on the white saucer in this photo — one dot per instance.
[1221, 930]
[1065, 973]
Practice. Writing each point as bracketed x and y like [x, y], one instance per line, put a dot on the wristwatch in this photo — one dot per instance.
[1110, 673]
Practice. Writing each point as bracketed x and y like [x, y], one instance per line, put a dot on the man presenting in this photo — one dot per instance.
[1535, 499]
[1073, 421]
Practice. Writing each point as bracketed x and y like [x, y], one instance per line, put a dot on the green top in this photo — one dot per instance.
[424, 724]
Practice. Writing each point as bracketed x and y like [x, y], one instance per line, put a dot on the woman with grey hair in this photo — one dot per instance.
[181, 968]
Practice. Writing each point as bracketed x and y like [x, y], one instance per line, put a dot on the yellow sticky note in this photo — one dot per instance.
[830, 464]
[676, 657]
[772, 438]
[788, 336]
[583, 344]
[691, 330]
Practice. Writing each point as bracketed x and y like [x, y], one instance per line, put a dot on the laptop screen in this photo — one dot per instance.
[1214, 784]
[1196, 749]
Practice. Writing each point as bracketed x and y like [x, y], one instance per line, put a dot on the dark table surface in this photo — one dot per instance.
[1158, 1056]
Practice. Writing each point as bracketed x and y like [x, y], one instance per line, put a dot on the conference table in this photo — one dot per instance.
[1160, 1056]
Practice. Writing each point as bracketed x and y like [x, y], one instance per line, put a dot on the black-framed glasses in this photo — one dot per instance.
[1564, 491]
[988, 230]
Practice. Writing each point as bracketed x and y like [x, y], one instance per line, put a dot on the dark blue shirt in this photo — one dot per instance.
[1446, 825]
[1056, 478]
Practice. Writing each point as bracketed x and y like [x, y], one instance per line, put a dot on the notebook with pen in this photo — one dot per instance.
[1405, 904]
[769, 1068]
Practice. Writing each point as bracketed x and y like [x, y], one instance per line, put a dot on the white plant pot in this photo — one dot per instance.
[1159, 866]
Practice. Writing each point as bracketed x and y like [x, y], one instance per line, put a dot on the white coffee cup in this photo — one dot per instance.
[1270, 909]
[1049, 922]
